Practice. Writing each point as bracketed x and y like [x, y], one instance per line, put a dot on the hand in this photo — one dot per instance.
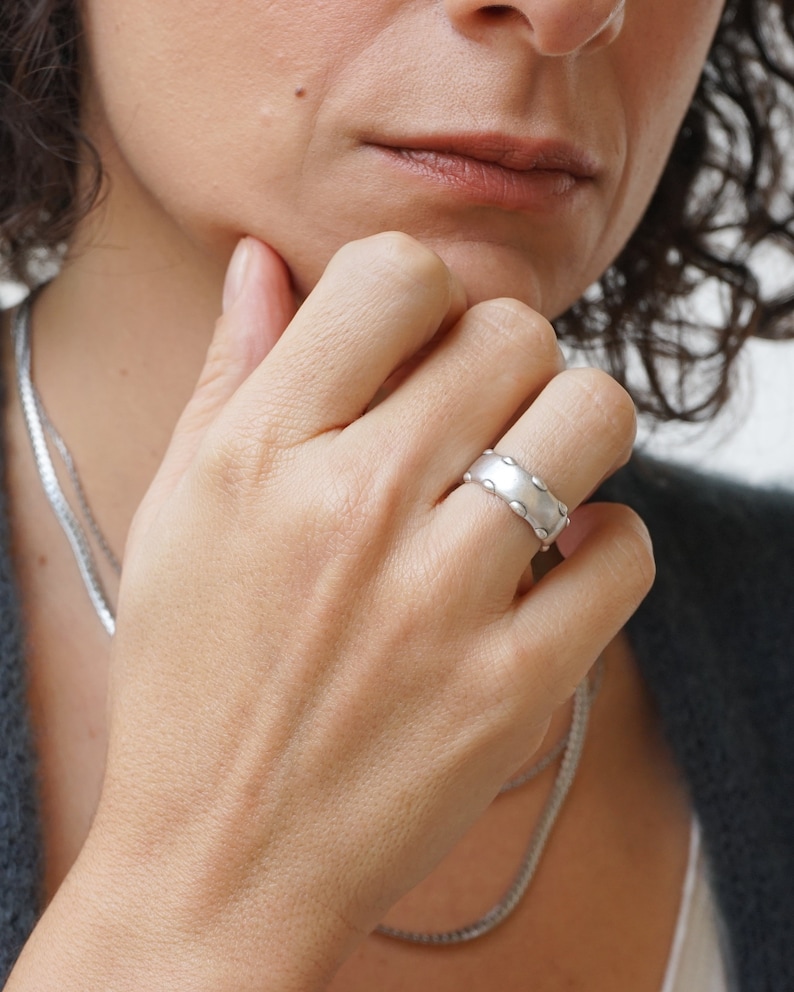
[328, 658]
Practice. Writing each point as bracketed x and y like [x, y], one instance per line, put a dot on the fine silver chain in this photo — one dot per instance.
[39, 427]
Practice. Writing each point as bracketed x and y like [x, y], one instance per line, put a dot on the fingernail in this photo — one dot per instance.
[236, 273]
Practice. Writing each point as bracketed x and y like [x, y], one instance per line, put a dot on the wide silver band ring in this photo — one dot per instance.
[527, 495]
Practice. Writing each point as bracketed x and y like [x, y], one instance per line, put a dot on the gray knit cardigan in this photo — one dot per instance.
[715, 642]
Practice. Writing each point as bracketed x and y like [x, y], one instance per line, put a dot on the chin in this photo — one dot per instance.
[493, 271]
[487, 270]
[546, 280]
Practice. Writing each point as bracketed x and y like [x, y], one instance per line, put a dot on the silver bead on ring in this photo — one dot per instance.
[527, 495]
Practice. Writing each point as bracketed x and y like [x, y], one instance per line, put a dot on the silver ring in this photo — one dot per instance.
[527, 495]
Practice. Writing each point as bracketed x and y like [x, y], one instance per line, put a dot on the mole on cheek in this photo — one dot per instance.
[300, 91]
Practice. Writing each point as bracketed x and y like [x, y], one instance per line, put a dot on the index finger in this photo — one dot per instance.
[379, 301]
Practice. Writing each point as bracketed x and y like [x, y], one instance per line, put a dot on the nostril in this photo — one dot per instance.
[551, 27]
[499, 11]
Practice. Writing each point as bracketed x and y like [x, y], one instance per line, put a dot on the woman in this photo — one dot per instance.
[330, 653]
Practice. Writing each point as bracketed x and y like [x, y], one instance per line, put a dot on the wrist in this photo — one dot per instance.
[112, 929]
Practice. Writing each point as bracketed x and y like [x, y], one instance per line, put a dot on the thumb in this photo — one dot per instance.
[257, 306]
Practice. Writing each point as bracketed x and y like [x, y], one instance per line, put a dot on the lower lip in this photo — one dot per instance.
[486, 183]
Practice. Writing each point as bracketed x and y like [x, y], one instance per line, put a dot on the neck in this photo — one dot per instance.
[119, 338]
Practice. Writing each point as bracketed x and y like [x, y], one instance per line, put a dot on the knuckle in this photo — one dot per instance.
[493, 692]
[640, 550]
[232, 467]
[605, 396]
[401, 263]
[248, 453]
[341, 509]
[406, 259]
[356, 502]
[519, 330]
[633, 546]
[537, 673]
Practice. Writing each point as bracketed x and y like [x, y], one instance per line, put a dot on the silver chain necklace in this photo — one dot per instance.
[39, 427]
[31, 407]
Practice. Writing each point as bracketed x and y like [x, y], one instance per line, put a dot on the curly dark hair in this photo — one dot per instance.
[41, 143]
[720, 216]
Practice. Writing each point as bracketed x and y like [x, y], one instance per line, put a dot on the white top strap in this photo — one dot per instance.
[697, 961]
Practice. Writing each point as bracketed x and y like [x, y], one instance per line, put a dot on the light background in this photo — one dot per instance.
[752, 439]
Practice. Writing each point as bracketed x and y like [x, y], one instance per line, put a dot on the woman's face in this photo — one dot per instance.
[521, 141]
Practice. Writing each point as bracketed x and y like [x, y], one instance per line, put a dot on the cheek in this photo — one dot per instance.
[208, 106]
[666, 62]
[658, 68]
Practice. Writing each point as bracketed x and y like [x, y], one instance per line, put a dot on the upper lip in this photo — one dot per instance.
[511, 152]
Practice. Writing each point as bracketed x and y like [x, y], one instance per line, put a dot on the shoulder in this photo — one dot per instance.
[724, 552]
[712, 515]
[715, 642]
[723, 602]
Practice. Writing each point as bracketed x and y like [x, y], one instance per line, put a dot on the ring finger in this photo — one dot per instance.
[577, 432]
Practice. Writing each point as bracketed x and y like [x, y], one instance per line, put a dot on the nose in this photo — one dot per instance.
[552, 27]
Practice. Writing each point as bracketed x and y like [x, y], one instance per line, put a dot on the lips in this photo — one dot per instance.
[496, 169]
[514, 153]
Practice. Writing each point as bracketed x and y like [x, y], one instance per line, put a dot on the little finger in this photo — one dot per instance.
[552, 634]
